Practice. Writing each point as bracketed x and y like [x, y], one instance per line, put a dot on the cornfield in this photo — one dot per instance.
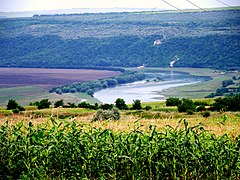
[66, 150]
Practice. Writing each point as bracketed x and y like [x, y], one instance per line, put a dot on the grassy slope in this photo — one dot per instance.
[199, 90]
[26, 94]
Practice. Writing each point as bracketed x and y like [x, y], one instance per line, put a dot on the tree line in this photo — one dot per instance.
[228, 103]
[92, 86]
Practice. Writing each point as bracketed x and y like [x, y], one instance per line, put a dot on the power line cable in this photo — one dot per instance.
[178, 9]
[173, 6]
[200, 8]
[224, 3]
[195, 5]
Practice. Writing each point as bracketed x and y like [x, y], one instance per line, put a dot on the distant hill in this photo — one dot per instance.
[200, 39]
[18, 14]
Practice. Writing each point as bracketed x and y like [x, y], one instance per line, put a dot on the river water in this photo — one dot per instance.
[148, 90]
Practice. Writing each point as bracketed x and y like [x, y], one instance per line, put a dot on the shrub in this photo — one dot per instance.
[44, 104]
[206, 114]
[189, 112]
[15, 111]
[172, 101]
[120, 104]
[201, 108]
[103, 115]
[88, 106]
[187, 104]
[71, 105]
[106, 106]
[227, 103]
[137, 105]
[13, 105]
[59, 103]
[199, 103]
[148, 108]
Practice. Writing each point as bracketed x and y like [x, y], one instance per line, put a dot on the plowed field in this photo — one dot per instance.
[15, 77]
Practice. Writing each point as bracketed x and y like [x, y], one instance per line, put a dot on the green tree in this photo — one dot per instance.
[120, 104]
[172, 101]
[13, 105]
[106, 106]
[59, 103]
[201, 108]
[137, 104]
[44, 104]
[186, 105]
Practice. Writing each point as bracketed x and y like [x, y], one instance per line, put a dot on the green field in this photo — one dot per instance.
[26, 94]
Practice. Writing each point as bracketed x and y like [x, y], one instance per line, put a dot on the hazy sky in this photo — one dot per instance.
[32, 5]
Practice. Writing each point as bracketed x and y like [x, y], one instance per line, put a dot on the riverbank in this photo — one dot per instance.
[202, 89]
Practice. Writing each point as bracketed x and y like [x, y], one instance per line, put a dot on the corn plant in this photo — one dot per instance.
[64, 150]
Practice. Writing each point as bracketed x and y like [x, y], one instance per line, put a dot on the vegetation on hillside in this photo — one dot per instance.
[230, 87]
[122, 39]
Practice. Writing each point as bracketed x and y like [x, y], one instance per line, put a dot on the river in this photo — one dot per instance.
[148, 90]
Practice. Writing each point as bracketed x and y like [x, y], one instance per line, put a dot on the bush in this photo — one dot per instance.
[187, 104]
[172, 101]
[206, 114]
[13, 105]
[59, 103]
[106, 106]
[15, 111]
[44, 104]
[227, 103]
[103, 115]
[201, 108]
[120, 104]
[189, 112]
[148, 108]
[199, 103]
[88, 106]
[137, 105]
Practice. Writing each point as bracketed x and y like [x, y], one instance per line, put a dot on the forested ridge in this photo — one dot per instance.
[199, 39]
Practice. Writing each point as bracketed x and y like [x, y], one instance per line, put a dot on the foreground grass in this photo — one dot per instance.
[66, 150]
[219, 123]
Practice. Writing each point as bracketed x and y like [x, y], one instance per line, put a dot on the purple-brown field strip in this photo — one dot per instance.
[14, 77]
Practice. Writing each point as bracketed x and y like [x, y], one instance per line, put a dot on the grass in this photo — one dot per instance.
[160, 116]
[26, 94]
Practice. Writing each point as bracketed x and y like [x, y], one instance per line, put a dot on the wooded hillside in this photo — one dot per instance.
[199, 39]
